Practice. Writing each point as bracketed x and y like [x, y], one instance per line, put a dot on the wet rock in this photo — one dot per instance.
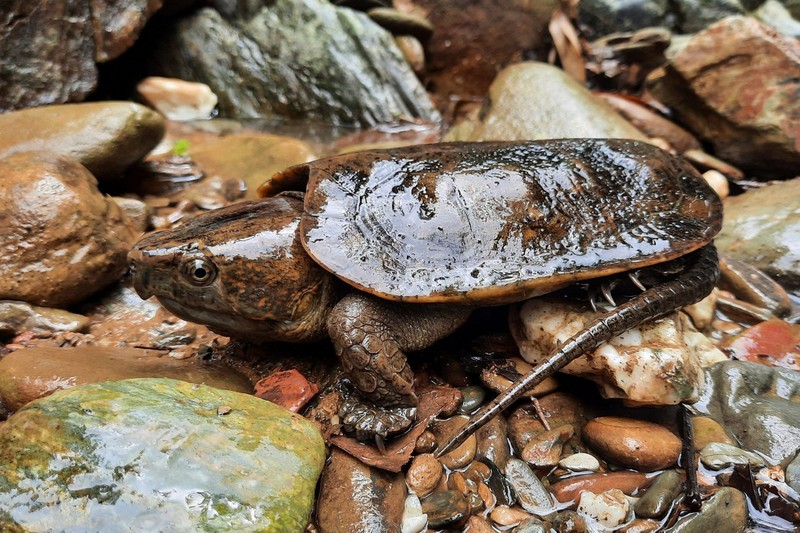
[354, 497]
[531, 525]
[16, 317]
[523, 101]
[580, 462]
[793, 473]
[137, 212]
[498, 485]
[633, 443]
[695, 15]
[757, 405]
[423, 474]
[492, 442]
[609, 509]
[155, 452]
[288, 388]
[414, 520]
[471, 43]
[503, 515]
[706, 430]
[720, 68]
[531, 493]
[446, 508]
[608, 16]
[461, 456]
[426, 443]
[545, 448]
[477, 524]
[775, 14]
[64, 239]
[559, 408]
[751, 285]
[501, 373]
[726, 510]
[773, 342]
[569, 522]
[117, 24]
[660, 496]
[657, 363]
[570, 489]
[473, 398]
[251, 157]
[36, 372]
[178, 99]
[718, 455]
[762, 227]
[105, 137]
[305, 60]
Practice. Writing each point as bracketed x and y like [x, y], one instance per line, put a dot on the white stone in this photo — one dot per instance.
[414, 520]
[178, 99]
[580, 462]
[609, 509]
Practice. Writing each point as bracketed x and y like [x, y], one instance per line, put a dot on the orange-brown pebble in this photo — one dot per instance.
[628, 482]
[503, 515]
[487, 496]
[426, 443]
[458, 482]
[478, 524]
[464, 454]
[424, 474]
[633, 443]
[707, 430]
[478, 472]
[641, 525]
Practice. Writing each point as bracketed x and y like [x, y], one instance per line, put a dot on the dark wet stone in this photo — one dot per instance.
[531, 525]
[726, 510]
[354, 497]
[493, 442]
[660, 496]
[756, 404]
[445, 508]
[473, 398]
[152, 452]
[299, 59]
[499, 485]
[531, 493]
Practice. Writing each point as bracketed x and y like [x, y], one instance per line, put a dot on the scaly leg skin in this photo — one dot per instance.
[370, 336]
[691, 285]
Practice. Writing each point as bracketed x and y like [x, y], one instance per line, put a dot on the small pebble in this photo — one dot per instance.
[531, 493]
[508, 516]
[464, 454]
[610, 509]
[718, 182]
[478, 524]
[445, 508]
[412, 50]
[492, 442]
[478, 472]
[426, 443]
[580, 462]
[660, 496]
[473, 399]
[725, 511]
[414, 520]
[568, 522]
[545, 448]
[636, 444]
[569, 489]
[476, 503]
[456, 481]
[531, 525]
[424, 474]
[223, 410]
[718, 455]
[641, 525]
[487, 496]
[178, 99]
[707, 430]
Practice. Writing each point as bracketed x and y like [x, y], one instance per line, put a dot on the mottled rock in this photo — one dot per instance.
[36, 372]
[656, 363]
[423, 474]
[569, 522]
[545, 448]
[152, 452]
[610, 509]
[105, 137]
[531, 525]
[762, 227]
[63, 239]
[20, 316]
[531, 493]
[559, 408]
[726, 511]
[570, 489]
[137, 212]
[757, 405]
[288, 388]
[445, 508]
[633, 443]
[706, 430]
[492, 442]
[354, 497]
[734, 85]
[718, 455]
[641, 525]
[301, 59]
[478, 524]
[118, 23]
[660, 496]
[178, 99]
[414, 520]
[530, 101]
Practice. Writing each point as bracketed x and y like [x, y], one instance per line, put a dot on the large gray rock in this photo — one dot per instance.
[299, 59]
[157, 455]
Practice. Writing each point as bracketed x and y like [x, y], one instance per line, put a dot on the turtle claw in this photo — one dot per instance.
[365, 421]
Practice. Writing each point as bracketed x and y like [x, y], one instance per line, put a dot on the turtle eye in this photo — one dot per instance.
[199, 271]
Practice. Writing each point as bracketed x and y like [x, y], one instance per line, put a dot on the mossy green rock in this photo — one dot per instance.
[157, 454]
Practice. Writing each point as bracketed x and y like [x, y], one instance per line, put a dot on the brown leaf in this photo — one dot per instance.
[568, 45]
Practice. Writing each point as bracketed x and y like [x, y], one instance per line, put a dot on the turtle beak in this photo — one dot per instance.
[139, 273]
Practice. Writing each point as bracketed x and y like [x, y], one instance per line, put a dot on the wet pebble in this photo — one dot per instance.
[424, 474]
[707, 430]
[633, 443]
[492, 442]
[545, 449]
[726, 510]
[473, 399]
[16, 317]
[718, 455]
[137, 211]
[499, 485]
[426, 443]
[412, 50]
[532, 495]
[569, 522]
[660, 495]
[414, 520]
[580, 462]
[178, 99]
[641, 525]
[610, 509]
[531, 525]
[461, 456]
[570, 489]
[559, 408]
[445, 508]
[478, 524]
[503, 515]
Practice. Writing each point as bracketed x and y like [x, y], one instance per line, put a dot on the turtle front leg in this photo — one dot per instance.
[371, 337]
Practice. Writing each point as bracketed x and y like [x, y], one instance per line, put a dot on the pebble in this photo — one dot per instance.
[137, 211]
[476, 503]
[569, 522]
[569, 489]
[660, 496]
[636, 444]
[502, 373]
[532, 495]
[718, 182]
[560, 409]
[610, 508]
[414, 520]
[503, 515]
[401, 23]
[16, 317]
[498, 483]
[412, 50]
[545, 449]
[488, 497]
[178, 99]
[707, 430]
[641, 525]
[478, 472]
[580, 462]
[718, 455]
[464, 454]
[478, 524]
[492, 442]
[426, 443]
[726, 510]
[531, 525]
[424, 474]
[473, 399]
[446, 508]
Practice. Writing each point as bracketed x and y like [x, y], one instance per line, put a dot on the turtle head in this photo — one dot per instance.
[241, 270]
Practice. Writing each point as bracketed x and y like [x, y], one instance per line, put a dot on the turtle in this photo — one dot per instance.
[388, 251]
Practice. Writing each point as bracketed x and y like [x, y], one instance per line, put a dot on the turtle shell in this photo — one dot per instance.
[496, 222]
